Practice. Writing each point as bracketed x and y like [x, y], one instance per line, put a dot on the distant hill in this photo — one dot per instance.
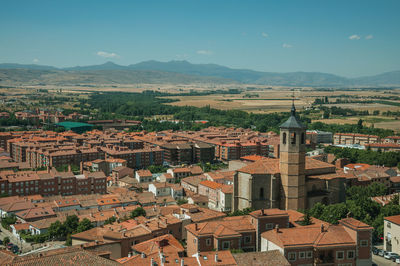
[181, 72]
[62, 77]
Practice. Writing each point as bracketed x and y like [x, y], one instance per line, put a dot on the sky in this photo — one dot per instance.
[348, 38]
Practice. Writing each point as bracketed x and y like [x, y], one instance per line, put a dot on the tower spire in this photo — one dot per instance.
[293, 111]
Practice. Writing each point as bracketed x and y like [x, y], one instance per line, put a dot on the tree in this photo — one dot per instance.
[139, 211]
[84, 225]
[306, 220]
[6, 240]
[6, 221]
[360, 123]
[110, 220]
[57, 230]
[71, 224]
[181, 201]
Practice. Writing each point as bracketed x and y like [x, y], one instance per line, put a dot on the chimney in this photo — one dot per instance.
[143, 255]
[262, 211]
[182, 262]
[277, 228]
[322, 228]
[69, 168]
[152, 262]
[196, 227]
[216, 257]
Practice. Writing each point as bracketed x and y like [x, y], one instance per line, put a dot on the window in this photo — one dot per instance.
[340, 255]
[247, 239]
[261, 193]
[302, 138]
[226, 245]
[364, 243]
[293, 138]
[350, 254]
[302, 255]
[309, 254]
[208, 241]
[284, 138]
[292, 256]
[269, 226]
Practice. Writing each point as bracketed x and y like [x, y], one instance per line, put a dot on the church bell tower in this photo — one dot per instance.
[292, 163]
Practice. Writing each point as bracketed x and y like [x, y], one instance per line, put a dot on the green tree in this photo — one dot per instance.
[8, 220]
[71, 223]
[110, 220]
[139, 211]
[306, 220]
[84, 225]
[57, 230]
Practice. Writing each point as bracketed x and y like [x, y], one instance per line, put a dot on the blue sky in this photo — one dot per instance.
[349, 38]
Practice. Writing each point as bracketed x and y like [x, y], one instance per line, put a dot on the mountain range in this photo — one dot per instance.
[179, 72]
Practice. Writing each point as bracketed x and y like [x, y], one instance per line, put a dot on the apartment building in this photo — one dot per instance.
[51, 182]
[392, 139]
[391, 233]
[348, 243]
[238, 232]
[354, 138]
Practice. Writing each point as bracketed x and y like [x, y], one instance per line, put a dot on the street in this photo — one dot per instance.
[25, 246]
[382, 261]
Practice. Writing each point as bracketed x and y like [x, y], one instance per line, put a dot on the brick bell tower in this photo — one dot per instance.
[292, 163]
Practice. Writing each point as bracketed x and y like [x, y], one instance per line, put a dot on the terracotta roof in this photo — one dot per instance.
[210, 184]
[228, 226]
[224, 257]
[273, 257]
[70, 256]
[144, 173]
[252, 158]
[393, 219]
[312, 236]
[21, 226]
[34, 213]
[168, 243]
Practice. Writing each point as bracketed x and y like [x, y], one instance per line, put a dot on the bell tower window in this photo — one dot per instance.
[284, 137]
[302, 138]
[293, 138]
[261, 193]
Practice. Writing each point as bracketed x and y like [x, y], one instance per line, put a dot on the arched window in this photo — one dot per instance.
[261, 193]
[293, 138]
[302, 138]
[284, 138]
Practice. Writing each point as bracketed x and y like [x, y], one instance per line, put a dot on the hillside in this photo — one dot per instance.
[63, 77]
[181, 72]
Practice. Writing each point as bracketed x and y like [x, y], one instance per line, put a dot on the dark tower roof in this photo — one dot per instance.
[292, 122]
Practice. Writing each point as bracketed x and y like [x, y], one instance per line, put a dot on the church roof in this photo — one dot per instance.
[271, 166]
[292, 122]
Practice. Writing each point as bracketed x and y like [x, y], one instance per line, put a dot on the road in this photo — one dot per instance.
[382, 261]
[25, 246]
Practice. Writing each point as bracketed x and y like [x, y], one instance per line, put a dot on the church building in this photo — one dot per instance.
[292, 181]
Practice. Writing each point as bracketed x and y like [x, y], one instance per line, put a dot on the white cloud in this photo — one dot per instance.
[107, 55]
[204, 52]
[354, 37]
[369, 37]
[264, 34]
[286, 45]
[35, 60]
